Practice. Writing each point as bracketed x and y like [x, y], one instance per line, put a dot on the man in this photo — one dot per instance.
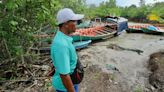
[63, 52]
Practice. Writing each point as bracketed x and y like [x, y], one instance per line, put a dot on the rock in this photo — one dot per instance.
[47, 80]
[40, 84]
[152, 88]
[110, 81]
[115, 83]
[147, 90]
[50, 89]
[45, 67]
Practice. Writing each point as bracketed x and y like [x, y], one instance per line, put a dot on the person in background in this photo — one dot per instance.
[63, 52]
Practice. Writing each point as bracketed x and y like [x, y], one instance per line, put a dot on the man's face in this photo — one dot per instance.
[71, 26]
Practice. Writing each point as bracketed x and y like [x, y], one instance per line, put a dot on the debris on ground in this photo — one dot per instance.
[116, 47]
[156, 65]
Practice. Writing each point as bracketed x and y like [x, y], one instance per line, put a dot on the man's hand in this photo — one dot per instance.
[66, 79]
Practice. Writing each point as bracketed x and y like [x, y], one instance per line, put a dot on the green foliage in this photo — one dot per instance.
[111, 3]
[76, 5]
[19, 19]
[132, 12]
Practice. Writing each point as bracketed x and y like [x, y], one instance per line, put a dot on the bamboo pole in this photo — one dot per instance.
[6, 46]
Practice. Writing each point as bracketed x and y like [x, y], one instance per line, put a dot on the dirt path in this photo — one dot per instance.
[117, 70]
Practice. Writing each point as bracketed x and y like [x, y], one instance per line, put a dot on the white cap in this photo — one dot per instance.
[67, 14]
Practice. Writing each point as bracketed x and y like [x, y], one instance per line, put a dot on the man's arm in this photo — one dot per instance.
[67, 82]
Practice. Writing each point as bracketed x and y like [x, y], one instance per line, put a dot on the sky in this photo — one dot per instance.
[124, 2]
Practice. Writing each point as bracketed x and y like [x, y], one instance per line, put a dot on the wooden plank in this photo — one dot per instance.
[99, 32]
[158, 25]
[102, 31]
[109, 31]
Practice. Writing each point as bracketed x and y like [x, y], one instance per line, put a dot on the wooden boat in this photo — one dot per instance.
[135, 28]
[131, 30]
[94, 34]
[148, 29]
[122, 23]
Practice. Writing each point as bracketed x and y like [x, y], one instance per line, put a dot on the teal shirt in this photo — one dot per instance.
[64, 58]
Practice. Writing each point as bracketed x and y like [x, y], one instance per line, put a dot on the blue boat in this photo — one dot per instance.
[122, 23]
[81, 44]
[77, 45]
[152, 30]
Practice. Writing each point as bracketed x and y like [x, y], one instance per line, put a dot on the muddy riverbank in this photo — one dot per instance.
[132, 74]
